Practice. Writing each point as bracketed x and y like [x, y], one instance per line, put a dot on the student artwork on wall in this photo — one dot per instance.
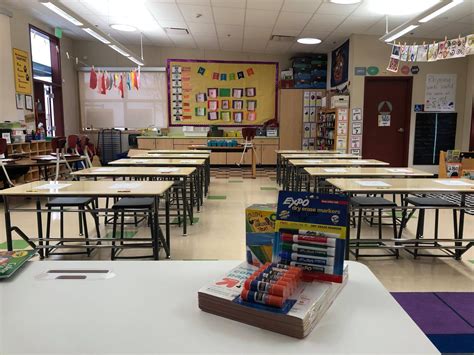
[340, 65]
[218, 90]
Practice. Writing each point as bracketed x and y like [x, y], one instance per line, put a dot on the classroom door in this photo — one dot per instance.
[387, 109]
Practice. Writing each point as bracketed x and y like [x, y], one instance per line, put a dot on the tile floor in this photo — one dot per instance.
[220, 234]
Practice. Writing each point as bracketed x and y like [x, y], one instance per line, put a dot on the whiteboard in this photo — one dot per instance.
[440, 92]
[138, 109]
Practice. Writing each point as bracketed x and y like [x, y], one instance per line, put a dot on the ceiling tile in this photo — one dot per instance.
[324, 23]
[196, 27]
[336, 9]
[194, 13]
[315, 34]
[195, 2]
[295, 21]
[230, 45]
[282, 31]
[165, 11]
[264, 4]
[228, 16]
[304, 6]
[176, 24]
[207, 42]
[257, 32]
[240, 4]
[260, 18]
[355, 24]
[232, 30]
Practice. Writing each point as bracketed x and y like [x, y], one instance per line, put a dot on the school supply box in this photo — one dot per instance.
[260, 231]
[310, 234]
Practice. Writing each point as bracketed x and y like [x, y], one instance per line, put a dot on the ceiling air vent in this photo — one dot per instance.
[282, 38]
[176, 31]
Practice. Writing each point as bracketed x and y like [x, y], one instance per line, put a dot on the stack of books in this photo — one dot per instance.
[310, 302]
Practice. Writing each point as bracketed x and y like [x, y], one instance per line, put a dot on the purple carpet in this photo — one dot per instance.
[447, 318]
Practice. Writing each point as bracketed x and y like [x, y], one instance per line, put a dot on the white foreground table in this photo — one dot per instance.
[151, 307]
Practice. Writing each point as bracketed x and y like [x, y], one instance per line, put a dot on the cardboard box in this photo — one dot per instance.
[260, 230]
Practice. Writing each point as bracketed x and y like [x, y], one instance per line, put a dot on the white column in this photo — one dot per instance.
[8, 111]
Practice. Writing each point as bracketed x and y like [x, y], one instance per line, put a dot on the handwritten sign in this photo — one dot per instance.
[21, 66]
[440, 92]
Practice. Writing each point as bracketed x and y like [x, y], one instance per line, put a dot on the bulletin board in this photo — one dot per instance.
[223, 93]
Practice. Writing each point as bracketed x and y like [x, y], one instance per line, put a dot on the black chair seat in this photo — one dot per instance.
[134, 202]
[363, 201]
[429, 202]
[69, 201]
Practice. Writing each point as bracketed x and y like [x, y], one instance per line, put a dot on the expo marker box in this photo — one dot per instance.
[310, 234]
[260, 232]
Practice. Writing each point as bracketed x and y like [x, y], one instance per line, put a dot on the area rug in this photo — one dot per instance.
[447, 318]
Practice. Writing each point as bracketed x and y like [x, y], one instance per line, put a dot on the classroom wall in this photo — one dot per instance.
[368, 51]
[20, 39]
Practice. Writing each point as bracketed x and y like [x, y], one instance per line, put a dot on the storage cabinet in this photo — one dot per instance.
[265, 148]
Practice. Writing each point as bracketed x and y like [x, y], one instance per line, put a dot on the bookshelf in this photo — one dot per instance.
[332, 127]
[27, 150]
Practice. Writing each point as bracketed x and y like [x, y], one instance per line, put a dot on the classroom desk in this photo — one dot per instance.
[282, 166]
[239, 148]
[96, 189]
[414, 186]
[181, 175]
[293, 177]
[152, 307]
[185, 155]
[279, 152]
[320, 174]
[176, 151]
[43, 163]
[199, 164]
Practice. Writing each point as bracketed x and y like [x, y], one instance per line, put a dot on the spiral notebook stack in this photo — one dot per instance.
[309, 303]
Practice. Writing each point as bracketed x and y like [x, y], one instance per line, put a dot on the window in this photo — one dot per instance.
[41, 56]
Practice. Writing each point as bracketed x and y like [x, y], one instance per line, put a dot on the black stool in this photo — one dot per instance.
[371, 202]
[134, 204]
[424, 203]
[81, 203]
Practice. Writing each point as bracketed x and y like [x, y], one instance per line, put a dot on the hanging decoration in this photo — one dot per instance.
[445, 49]
[93, 79]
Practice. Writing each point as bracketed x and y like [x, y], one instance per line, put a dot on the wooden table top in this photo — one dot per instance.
[296, 156]
[177, 151]
[336, 162]
[171, 156]
[41, 162]
[159, 162]
[406, 185]
[134, 171]
[106, 188]
[278, 151]
[365, 172]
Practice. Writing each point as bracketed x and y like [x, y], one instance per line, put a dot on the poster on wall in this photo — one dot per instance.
[340, 65]
[440, 92]
[22, 71]
[356, 132]
[245, 91]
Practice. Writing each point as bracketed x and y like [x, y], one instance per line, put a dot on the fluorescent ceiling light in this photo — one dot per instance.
[308, 40]
[123, 28]
[400, 7]
[400, 33]
[441, 10]
[120, 50]
[62, 13]
[345, 2]
[96, 35]
[133, 59]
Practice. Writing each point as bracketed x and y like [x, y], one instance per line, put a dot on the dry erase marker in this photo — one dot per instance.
[298, 238]
[263, 298]
[308, 250]
[273, 289]
[327, 260]
[313, 268]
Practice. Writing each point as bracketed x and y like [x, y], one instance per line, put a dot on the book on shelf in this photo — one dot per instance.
[309, 302]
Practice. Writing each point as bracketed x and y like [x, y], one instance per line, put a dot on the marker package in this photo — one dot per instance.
[310, 234]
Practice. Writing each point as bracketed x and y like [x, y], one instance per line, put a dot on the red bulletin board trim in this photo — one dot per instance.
[168, 72]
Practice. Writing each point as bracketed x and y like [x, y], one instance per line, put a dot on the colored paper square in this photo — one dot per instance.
[212, 116]
[251, 105]
[212, 93]
[240, 75]
[250, 92]
[250, 71]
[225, 115]
[237, 93]
[225, 104]
[237, 104]
[232, 76]
[224, 92]
[201, 71]
[251, 116]
[215, 76]
[238, 117]
[213, 105]
[223, 76]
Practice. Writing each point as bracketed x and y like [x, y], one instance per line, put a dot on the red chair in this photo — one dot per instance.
[58, 145]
